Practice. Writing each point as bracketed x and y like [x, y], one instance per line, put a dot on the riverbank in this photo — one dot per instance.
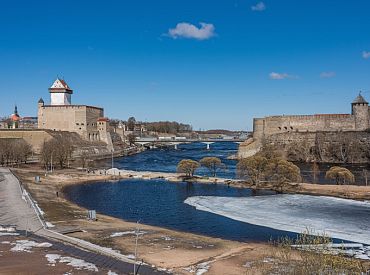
[340, 191]
[168, 249]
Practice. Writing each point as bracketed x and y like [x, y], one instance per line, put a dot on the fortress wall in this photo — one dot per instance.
[59, 118]
[34, 137]
[92, 115]
[281, 124]
[71, 118]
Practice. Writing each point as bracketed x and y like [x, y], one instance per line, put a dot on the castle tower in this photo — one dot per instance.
[60, 93]
[360, 109]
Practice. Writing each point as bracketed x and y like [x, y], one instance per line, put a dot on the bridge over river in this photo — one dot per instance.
[153, 142]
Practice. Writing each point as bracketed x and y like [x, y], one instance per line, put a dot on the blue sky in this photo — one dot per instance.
[135, 58]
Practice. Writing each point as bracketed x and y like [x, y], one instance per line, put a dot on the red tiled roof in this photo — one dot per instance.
[15, 117]
[105, 119]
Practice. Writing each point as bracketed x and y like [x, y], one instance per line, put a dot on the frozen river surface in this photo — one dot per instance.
[337, 218]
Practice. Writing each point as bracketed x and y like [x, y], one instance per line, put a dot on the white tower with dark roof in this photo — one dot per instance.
[60, 93]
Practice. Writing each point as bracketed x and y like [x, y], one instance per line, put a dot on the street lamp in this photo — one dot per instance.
[112, 160]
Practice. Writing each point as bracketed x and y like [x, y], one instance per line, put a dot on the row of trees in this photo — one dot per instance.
[14, 151]
[58, 150]
[267, 166]
[169, 127]
[188, 166]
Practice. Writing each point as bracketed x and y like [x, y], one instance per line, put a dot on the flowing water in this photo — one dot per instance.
[198, 208]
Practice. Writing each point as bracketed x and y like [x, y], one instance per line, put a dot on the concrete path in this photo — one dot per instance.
[17, 208]
[13, 209]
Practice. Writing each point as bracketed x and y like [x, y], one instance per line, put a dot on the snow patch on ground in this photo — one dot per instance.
[8, 234]
[111, 273]
[7, 229]
[39, 209]
[76, 263]
[202, 268]
[26, 245]
[50, 225]
[120, 234]
[338, 218]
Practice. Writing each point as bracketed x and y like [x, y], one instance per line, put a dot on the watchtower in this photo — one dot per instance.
[360, 109]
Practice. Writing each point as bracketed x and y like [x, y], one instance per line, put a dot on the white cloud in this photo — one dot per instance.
[259, 7]
[366, 54]
[187, 30]
[327, 74]
[279, 76]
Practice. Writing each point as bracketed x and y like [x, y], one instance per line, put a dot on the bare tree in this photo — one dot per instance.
[188, 167]
[315, 172]
[131, 139]
[341, 175]
[252, 168]
[213, 164]
[14, 151]
[282, 172]
[58, 149]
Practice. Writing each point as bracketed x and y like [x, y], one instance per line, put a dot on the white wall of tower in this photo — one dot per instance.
[60, 98]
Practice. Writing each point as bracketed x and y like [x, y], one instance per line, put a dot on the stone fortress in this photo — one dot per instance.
[61, 115]
[284, 129]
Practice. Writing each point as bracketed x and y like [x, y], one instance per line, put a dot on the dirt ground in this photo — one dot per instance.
[178, 252]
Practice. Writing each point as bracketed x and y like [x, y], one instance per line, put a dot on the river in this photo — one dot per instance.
[166, 160]
[198, 208]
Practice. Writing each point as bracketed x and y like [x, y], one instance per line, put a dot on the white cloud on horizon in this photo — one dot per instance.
[366, 54]
[190, 31]
[327, 74]
[259, 7]
[280, 76]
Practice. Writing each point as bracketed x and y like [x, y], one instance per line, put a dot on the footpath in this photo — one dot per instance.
[18, 209]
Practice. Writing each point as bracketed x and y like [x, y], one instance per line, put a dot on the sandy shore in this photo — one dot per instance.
[179, 252]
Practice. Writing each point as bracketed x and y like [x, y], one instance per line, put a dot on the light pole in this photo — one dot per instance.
[112, 160]
[137, 232]
[51, 163]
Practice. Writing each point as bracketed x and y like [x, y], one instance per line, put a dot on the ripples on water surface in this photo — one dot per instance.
[166, 160]
[160, 203]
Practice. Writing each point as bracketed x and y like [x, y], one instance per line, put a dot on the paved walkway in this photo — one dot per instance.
[13, 209]
[17, 209]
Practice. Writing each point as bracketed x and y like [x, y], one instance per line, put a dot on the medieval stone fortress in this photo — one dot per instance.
[285, 130]
[60, 116]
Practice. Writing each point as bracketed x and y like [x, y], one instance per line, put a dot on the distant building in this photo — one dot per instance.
[28, 123]
[61, 115]
[14, 119]
[291, 128]
[358, 120]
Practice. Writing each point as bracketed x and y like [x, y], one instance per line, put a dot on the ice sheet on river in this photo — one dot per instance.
[338, 218]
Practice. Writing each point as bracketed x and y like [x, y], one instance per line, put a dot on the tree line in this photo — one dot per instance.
[57, 151]
[14, 151]
[266, 167]
[168, 127]
[189, 166]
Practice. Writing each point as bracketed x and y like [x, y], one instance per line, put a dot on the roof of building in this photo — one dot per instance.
[360, 100]
[104, 119]
[15, 117]
[41, 100]
[71, 106]
[60, 85]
